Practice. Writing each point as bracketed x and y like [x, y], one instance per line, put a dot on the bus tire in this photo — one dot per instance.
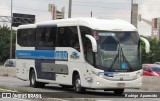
[77, 85]
[118, 91]
[33, 82]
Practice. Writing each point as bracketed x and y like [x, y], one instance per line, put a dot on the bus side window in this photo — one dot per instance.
[39, 37]
[87, 47]
[21, 37]
[74, 40]
[50, 37]
[30, 42]
[26, 37]
[46, 37]
[62, 37]
[89, 52]
[53, 36]
[68, 37]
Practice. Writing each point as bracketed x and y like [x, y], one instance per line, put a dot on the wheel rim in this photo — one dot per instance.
[78, 84]
[33, 78]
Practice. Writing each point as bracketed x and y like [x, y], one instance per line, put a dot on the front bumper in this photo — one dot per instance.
[101, 83]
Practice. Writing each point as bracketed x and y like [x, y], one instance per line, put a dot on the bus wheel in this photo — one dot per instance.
[118, 91]
[33, 82]
[77, 85]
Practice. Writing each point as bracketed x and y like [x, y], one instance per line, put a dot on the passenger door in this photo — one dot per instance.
[88, 53]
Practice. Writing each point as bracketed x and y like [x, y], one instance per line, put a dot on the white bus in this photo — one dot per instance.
[85, 53]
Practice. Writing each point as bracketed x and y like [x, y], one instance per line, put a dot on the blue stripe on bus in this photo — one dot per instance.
[42, 54]
[107, 73]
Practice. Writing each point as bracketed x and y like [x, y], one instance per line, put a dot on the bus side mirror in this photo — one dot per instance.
[93, 41]
[147, 44]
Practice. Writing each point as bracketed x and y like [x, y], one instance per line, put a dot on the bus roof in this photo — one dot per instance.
[93, 23]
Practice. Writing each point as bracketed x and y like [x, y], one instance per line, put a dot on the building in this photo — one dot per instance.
[55, 13]
[156, 28]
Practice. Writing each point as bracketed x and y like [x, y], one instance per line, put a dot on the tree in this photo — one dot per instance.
[5, 43]
[154, 55]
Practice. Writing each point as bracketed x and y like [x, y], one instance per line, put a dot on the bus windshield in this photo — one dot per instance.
[117, 51]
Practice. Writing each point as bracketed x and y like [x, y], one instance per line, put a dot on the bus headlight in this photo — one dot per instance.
[98, 74]
[101, 75]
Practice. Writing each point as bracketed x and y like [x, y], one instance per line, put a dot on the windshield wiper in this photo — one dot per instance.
[120, 53]
[130, 67]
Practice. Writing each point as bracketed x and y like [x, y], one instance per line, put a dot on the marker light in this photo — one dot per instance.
[98, 82]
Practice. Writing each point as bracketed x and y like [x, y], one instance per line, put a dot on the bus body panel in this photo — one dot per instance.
[72, 64]
[23, 65]
[93, 23]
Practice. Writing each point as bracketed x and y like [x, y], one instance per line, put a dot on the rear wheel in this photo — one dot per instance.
[33, 82]
[77, 85]
[118, 91]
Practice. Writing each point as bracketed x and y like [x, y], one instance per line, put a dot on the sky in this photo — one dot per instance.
[103, 9]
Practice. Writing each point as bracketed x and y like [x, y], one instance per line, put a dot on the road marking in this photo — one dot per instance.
[54, 99]
[7, 90]
[13, 99]
[21, 99]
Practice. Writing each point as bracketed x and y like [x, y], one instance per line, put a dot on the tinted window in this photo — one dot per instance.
[145, 67]
[87, 44]
[128, 38]
[68, 37]
[45, 37]
[26, 37]
[157, 69]
[84, 31]
[30, 40]
[21, 37]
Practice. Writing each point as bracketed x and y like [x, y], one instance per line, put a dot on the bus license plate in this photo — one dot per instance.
[120, 84]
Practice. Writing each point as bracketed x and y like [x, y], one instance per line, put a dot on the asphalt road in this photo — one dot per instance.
[55, 91]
